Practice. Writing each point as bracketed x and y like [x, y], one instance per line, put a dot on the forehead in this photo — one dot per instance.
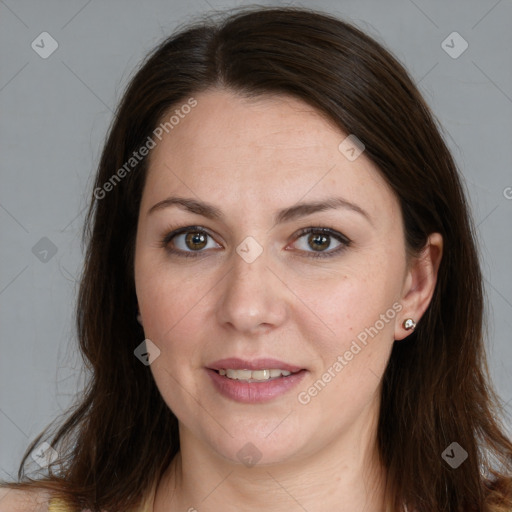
[229, 147]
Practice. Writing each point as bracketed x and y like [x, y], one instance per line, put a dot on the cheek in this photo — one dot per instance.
[172, 320]
[359, 308]
[353, 300]
[167, 301]
[170, 308]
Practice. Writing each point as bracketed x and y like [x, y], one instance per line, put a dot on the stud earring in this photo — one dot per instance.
[409, 324]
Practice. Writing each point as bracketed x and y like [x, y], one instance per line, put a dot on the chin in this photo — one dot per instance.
[264, 442]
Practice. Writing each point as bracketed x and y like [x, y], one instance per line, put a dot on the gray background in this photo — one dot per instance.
[55, 113]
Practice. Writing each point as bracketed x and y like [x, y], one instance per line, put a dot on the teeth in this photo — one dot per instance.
[255, 375]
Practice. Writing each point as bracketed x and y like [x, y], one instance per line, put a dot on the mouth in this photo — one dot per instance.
[245, 375]
[263, 363]
[254, 381]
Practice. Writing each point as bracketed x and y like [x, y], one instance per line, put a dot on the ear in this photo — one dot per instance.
[420, 283]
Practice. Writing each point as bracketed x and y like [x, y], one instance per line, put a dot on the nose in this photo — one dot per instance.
[253, 298]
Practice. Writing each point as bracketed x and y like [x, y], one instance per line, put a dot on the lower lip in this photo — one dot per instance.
[254, 392]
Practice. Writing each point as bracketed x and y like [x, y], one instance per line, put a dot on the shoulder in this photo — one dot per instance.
[12, 500]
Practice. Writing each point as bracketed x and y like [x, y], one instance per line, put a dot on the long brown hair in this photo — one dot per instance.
[120, 435]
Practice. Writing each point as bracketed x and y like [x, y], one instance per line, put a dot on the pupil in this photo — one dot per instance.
[321, 245]
[196, 239]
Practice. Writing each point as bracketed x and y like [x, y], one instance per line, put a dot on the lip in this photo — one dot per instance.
[235, 363]
[254, 392]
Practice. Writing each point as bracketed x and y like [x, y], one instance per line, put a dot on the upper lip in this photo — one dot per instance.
[235, 363]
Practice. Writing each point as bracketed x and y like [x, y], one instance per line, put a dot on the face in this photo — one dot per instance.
[226, 275]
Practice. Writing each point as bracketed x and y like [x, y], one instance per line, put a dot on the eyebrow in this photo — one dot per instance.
[285, 215]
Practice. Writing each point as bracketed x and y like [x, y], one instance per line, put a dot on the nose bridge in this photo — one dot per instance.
[250, 296]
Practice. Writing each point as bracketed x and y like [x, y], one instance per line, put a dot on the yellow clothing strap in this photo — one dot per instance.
[58, 505]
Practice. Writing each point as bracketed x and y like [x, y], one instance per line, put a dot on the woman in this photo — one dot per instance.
[282, 301]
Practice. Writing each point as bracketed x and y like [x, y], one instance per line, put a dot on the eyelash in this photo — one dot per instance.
[345, 242]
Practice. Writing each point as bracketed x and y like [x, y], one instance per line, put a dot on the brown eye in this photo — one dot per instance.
[318, 240]
[188, 241]
[196, 240]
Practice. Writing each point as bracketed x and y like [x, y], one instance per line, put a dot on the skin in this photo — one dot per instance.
[251, 158]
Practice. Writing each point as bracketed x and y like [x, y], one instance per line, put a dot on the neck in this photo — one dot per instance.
[346, 476]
